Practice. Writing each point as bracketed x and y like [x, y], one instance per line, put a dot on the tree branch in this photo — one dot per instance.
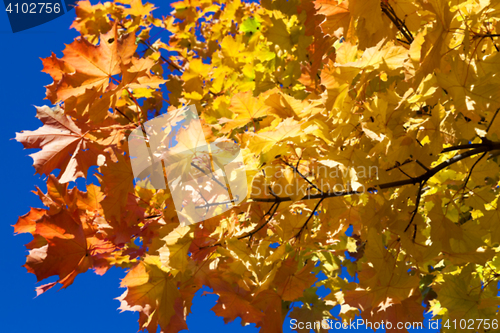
[492, 120]
[168, 61]
[391, 14]
[210, 175]
[421, 180]
[422, 165]
[216, 203]
[417, 203]
[486, 147]
[123, 114]
[301, 175]
[309, 218]
[467, 146]
[251, 233]
[470, 173]
[275, 205]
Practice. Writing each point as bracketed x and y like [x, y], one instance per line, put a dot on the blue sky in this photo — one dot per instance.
[88, 305]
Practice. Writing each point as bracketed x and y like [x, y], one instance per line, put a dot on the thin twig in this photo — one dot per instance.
[417, 203]
[492, 120]
[486, 147]
[466, 146]
[422, 165]
[309, 218]
[123, 114]
[216, 203]
[275, 205]
[470, 173]
[153, 216]
[250, 234]
[404, 173]
[168, 61]
[421, 180]
[210, 175]
[391, 14]
[399, 164]
[301, 175]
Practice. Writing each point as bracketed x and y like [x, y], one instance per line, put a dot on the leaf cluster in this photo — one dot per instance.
[378, 117]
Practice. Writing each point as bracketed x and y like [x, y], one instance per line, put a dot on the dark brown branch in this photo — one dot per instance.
[421, 180]
[216, 203]
[470, 173]
[301, 175]
[251, 233]
[422, 165]
[487, 35]
[403, 41]
[153, 216]
[486, 147]
[123, 114]
[441, 166]
[298, 162]
[210, 175]
[467, 146]
[417, 203]
[309, 218]
[391, 14]
[168, 61]
[494, 44]
[275, 205]
[492, 120]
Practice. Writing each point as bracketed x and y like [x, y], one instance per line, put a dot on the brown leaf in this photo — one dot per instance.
[292, 283]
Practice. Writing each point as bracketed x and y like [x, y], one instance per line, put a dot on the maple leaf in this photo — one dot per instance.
[92, 19]
[27, 222]
[292, 283]
[138, 9]
[267, 142]
[337, 16]
[461, 295]
[247, 109]
[391, 312]
[314, 310]
[382, 54]
[153, 292]
[63, 145]
[94, 65]
[233, 302]
[174, 254]
[63, 244]
[56, 67]
[87, 71]
[102, 61]
[65, 252]
[117, 181]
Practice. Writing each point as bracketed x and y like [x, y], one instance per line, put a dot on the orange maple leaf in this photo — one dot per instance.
[64, 145]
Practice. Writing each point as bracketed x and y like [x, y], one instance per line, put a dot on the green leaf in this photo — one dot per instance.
[250, 25]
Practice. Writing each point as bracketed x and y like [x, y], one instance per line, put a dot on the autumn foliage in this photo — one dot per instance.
[378, 117]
